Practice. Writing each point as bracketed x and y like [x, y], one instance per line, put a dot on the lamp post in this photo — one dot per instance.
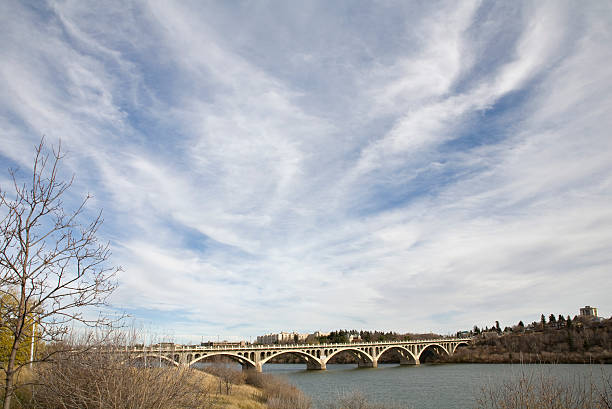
[32, 344]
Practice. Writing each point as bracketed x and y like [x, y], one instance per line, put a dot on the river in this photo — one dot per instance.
[427, 386]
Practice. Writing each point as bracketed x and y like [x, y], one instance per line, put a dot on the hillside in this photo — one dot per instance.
[560, 341]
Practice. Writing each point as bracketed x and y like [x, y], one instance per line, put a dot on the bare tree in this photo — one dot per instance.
[52, 265]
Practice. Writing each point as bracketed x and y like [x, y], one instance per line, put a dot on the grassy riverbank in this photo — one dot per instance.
[99, 380]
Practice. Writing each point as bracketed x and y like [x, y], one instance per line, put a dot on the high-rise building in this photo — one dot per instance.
[588, 311]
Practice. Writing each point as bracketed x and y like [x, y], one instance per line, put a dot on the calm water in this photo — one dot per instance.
[448, 386]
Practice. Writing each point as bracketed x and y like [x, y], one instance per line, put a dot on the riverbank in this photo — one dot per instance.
[237, 396]
[493, 355]
[252, 390]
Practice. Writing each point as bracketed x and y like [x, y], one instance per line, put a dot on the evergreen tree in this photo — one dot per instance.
[7, 338]
[552, 319]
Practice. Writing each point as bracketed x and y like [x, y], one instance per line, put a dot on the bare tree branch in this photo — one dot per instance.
[52, 265]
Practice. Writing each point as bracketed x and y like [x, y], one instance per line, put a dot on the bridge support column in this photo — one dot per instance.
[367, 364]
[248, 367]
[316, 366]
[183, 363]
[408, 361]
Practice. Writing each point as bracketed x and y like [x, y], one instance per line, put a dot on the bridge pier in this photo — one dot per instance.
[407, 361]
[316, 366]
[367, 364]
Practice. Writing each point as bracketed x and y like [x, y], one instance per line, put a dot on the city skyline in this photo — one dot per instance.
[267, 167]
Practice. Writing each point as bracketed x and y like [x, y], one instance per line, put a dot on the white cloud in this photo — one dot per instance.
[230, 193]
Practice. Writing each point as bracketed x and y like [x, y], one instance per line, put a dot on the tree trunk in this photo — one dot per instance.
[10, 366]
[10, 374]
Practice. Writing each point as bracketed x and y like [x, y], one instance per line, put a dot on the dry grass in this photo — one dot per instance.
[278, 393]
[264, 391]
[544, 391]
[97, 380]
[100, 381]
[241, 396]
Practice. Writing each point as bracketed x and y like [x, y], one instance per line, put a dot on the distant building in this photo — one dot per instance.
[314, 337]
[281, 338]
[228, 344]
[588, 312]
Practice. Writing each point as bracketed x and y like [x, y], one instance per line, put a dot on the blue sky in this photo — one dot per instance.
[268, 166]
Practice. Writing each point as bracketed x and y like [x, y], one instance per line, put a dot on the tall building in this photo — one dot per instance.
[588, 311]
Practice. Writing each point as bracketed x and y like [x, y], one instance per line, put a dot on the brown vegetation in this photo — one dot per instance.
[97, 379]
[278, 393]
[275, 392]
[541, 391]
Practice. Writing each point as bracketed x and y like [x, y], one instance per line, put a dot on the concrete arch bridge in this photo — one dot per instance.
[253, 357]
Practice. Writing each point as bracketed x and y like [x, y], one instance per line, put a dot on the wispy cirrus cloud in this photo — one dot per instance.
[373, 166]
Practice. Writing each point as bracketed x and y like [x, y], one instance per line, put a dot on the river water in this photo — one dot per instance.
[427, 386]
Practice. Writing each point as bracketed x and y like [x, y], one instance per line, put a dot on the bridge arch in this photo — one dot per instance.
[406, 355]
[242, 360]
[311, 360]
[455, 346]
[432, 346]
[362, 356]
[155, 357]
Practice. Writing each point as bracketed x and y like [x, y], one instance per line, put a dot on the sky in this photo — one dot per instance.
[268, 166]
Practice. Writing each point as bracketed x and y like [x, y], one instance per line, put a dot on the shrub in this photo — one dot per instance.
[542, 391]
[278, 393]
[227, 376]
[101, 380]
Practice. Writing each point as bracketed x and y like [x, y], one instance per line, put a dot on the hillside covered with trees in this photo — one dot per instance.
[556, 340]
